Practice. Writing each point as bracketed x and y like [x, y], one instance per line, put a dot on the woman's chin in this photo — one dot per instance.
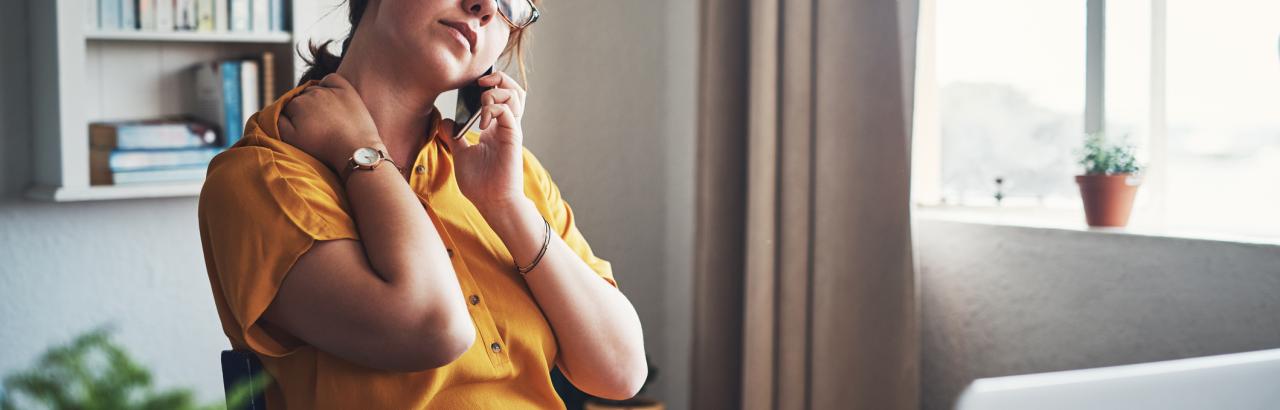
[447, 66]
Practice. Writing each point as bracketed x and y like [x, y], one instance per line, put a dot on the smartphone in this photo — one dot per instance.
[468, 106]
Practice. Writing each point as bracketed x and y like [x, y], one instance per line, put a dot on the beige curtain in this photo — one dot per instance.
[805, 290]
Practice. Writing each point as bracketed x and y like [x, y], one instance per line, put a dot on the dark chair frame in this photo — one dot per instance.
[238, 367]
[241, 366]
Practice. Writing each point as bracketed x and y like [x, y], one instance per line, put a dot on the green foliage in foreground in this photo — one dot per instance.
[92, 373]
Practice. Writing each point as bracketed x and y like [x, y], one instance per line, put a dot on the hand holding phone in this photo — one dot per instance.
[489, 169]
[468, 106]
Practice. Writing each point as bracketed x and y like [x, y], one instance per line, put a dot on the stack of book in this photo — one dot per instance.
[186, 15]
[179, 149]
[228, 92]
[133, 152]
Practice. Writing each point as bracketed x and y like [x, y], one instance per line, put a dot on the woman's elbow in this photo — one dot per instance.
[440, 341]
[625, 382]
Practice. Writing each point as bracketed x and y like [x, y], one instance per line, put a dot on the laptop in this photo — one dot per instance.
[1249, 380]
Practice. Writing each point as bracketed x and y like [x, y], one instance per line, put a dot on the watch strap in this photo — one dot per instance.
[345, 173]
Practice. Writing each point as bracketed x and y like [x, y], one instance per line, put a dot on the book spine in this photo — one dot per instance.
[110, 14]
[147, 15]
[123, 160]
[179, 16]
[207, 100]
[129, 14]
[277, 15]
[268, 78]
[99, 169]
[261, 18]
[204, 15]
[91, 15]
[164, 15]
[231, 101]
[250, 90]
[220, 15]
[179, 174]
[179, 23]
[239, 11]
[193, 14]
[152, 136]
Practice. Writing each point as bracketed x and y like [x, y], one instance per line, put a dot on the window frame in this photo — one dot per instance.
[926, 146]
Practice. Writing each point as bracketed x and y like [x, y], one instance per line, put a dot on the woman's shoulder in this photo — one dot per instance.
[260, 182]
[261, 155]
[263, 161]
[256, 189]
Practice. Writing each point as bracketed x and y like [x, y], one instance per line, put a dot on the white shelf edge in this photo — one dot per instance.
[273, 37]
[112, 192]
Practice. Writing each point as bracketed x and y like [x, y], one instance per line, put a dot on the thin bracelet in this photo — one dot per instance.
[546, 240]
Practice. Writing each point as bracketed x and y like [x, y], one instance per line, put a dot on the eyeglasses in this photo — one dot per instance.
[518, 13]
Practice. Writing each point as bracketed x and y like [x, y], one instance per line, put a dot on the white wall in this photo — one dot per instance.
[610, 115]
[1003, 300]
[66, 268]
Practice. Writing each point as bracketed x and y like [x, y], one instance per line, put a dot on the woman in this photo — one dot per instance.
[448, 275]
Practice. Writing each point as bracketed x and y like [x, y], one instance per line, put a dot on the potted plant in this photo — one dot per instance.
[93, 372]
[1110, 181]
[634, 403]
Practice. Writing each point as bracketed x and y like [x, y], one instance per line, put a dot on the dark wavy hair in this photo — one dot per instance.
[322, 62]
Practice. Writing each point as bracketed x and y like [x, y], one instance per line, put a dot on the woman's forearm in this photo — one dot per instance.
[399, 239]
[598, 331]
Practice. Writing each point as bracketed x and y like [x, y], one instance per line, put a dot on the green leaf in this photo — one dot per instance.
[91, 372]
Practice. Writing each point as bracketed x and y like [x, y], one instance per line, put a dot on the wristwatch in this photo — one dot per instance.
[367, 159]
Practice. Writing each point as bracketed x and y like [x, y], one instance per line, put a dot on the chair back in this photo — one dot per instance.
[242, 368]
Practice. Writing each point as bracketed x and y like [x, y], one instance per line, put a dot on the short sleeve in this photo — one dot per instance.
[546, 195]
[259, 211]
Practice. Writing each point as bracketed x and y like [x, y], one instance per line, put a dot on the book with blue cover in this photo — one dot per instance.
[152, 134]
[109, 14]
[133, 160]
[114, 166]
[181, 174]
[217, 98]
[129, 14]
[232, 100]
[277, 15]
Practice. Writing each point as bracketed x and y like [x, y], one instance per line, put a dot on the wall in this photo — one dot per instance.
[609, 114]
[1003, 300]
[67, 268]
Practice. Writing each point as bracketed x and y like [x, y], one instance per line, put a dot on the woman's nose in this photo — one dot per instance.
[482, 9]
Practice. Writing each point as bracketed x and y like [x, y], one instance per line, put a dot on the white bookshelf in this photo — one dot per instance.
[190, 37]
[82, 75]
[106, 192]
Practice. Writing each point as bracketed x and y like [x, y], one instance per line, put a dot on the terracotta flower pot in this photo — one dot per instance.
[633, 404]
[1108, 199]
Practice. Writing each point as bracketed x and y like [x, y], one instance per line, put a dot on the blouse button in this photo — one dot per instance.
[419, 169]
[475, 299]
[497, 348]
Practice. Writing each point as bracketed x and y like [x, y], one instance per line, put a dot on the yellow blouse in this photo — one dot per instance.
[265, 202]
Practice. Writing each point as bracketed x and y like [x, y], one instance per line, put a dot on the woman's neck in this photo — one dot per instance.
[399, 113]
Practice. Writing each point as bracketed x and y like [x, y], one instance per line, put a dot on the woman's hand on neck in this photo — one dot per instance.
[399, 104]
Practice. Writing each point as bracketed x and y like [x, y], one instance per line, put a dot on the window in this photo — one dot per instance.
[1002, 94]
[1009, 97]
[1223, 101]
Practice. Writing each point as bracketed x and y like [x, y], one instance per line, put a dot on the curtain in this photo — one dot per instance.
[805, 291]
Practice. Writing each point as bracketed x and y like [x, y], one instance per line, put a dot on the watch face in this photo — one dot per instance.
[365, 156]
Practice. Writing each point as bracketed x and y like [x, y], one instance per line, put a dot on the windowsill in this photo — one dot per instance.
[1070, 220]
